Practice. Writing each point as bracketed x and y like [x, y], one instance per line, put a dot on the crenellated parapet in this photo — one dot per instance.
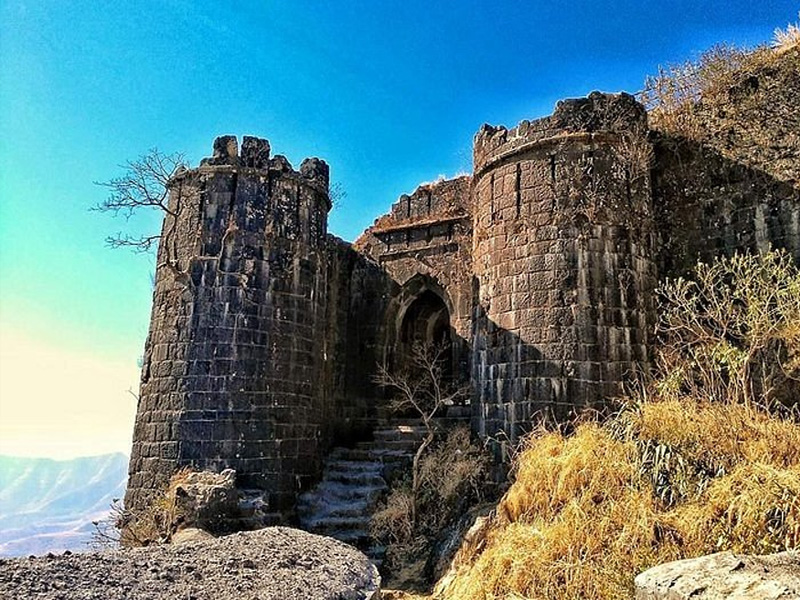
[434, 215]
[598, 117]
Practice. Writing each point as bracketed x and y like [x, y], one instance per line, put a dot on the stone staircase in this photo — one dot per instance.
[355, 479]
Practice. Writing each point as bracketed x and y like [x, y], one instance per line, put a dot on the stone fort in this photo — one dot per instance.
[539, 271]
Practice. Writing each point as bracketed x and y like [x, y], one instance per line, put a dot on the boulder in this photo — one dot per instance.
[208, 501]
[723, 576]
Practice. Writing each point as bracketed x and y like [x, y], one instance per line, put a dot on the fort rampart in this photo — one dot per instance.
[538, 271]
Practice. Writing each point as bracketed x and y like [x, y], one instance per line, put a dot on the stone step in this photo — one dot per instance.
[355, 477]
[353, 466]
[358, 523]
[322, 504]
[451, 414]
[406, 445]
[402, 427]
[353, 481]
[371, 451]
[311, 517]
[399, 433]
[341, 453]
[338, 490]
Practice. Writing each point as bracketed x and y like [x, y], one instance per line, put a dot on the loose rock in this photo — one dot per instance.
[259, 564]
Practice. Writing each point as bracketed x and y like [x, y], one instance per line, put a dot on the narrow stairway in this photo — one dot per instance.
[353, 482]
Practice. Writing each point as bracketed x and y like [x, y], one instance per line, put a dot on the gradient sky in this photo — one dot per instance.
[389, 93]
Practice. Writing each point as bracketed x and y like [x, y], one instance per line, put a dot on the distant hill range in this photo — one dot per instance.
[48, 505]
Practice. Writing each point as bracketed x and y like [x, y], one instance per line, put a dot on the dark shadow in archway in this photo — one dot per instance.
[426, 324]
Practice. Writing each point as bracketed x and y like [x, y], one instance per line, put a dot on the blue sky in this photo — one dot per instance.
[389, 93]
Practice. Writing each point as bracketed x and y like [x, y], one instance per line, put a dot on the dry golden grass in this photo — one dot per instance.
[718, 435]
[786, 39]
[154, 523]
[679, 95]
[755, 509]
[582, 518]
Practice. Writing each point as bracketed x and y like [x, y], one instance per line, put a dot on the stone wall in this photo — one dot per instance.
[234, 370]
[425, 244]
[363, 292]
[563, 257]
[732, 183]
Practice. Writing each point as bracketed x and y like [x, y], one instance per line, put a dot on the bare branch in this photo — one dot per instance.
[142, 243]
[420, 387]
[143, 185]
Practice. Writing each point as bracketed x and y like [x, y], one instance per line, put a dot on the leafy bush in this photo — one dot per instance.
[732, 332]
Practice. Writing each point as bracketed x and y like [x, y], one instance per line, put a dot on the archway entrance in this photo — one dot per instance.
[426, 325]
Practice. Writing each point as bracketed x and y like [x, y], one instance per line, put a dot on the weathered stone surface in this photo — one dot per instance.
[723, 576]
[255, 152]
[207, 501]
[425, 245]
[271, 564]
[563, 257]
[738, 187]
[235, 371]
[226, 151]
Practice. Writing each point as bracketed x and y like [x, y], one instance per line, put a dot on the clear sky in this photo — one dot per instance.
[389, 93]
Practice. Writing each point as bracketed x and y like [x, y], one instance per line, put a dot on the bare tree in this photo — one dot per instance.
[421, 388]
[336, 194]
[145, 186]
[106, 534]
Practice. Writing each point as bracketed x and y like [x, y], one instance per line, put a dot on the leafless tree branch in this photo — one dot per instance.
[420, 387]
[144, 185]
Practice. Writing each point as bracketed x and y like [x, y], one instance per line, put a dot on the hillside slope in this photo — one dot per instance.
[663, 481]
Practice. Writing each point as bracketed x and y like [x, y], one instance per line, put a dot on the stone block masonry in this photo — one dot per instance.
[232, 374]
[563, 255]
[538, 272]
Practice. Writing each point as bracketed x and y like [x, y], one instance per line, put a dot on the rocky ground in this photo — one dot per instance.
[276, 563]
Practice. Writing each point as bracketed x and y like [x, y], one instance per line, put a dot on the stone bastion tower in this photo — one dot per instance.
[563, 258]
[232, 374]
